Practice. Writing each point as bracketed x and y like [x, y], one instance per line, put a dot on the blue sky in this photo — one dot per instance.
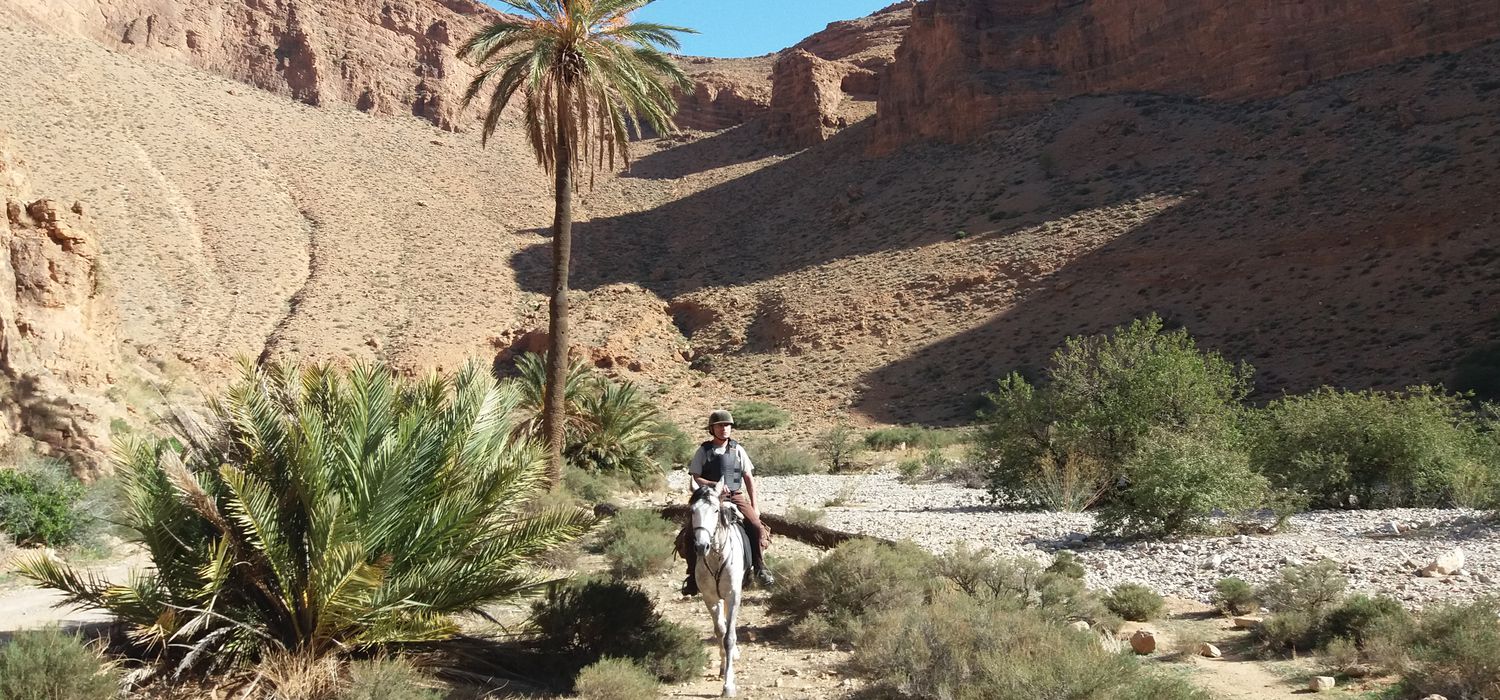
[736, 28]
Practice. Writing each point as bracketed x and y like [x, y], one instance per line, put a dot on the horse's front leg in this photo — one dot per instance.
[730, 649]
[716, 609]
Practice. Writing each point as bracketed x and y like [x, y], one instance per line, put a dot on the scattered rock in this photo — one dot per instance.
[1446, 564]
[1143, 642]
[1079, 625]
[1321, 683]
[1209, 651]
[1248, 622]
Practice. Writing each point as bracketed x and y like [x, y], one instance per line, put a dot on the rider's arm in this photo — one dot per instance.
[750, 491]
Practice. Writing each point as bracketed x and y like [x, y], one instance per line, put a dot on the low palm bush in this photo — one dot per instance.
[320, 510]
[49, 664]
[609, 427]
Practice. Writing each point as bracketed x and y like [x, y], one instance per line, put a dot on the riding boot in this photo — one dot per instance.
[690, 585]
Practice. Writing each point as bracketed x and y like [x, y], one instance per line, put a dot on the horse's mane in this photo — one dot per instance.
[702, 493]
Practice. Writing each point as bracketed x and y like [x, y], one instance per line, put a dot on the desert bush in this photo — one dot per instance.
[1360, 618]
[638, 543]
[1103, 397]
[805, 516]
[1134, 602]
[615, 679]
[837, 447]
[582, 622]
[854, 579]
[589, 486]
[947, 649]
[320, 509]
[388, 678]
[774, 458]
[1234, 596]
[1173, 483]
[759, 415]
[49, 664]
[1300, 598]
[1017, 583]
[1386, 449]
[912, 436]
[1455, 651]
[41, 504]
[671, 447]
[1066, 564]
[908, 470]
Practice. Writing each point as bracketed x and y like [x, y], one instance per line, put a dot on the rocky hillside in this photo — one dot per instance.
[379, 56]
[966, 63]
[1319, 204]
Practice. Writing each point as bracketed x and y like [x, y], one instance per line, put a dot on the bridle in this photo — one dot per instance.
[718, 540]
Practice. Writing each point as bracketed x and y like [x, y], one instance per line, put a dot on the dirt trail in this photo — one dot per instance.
[24, 607]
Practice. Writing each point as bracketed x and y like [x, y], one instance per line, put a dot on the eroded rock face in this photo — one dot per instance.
[57, 330]
[380, 56]
[966, 63]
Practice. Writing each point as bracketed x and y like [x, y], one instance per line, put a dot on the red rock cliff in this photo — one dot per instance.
[381, 56]
[965, 63]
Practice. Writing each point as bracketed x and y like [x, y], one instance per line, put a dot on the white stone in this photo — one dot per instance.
[1321, 683]
[1447, 564]
[1210, 651]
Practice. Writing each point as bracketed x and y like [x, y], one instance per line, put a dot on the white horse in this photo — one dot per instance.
[720, 572]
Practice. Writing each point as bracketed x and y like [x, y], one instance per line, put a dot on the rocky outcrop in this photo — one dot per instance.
[57, 330]
[965, 63]
[726, 92]
[380, 56]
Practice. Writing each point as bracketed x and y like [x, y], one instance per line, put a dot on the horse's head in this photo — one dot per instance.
[706, 507]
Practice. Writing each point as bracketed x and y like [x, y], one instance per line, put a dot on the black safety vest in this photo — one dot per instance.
[725, 467]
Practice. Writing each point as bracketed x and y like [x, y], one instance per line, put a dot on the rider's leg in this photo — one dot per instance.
[760, 537]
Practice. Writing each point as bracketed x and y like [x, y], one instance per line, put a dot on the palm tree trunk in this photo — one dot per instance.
[554, 417]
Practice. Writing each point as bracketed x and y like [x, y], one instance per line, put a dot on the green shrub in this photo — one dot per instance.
[1312, 588]
[910, 436]
[1176, 481]
[1291, 630]
[320, 508]
[1359, 617]
[1455, 651]
[616, 432]
[1017, 583]
[758, 415]
[40, 504]
[909, 469]
[1104, 396]
[672, 447]
[782, 459]
[638, 543]
[837, 447]
[1066, 564]
[615, 679]
[584, 621]
[589, 486]
[1386, 449]
[805, 516]
[388, 678]
[948, 649]
[1134, 602]
[854, 579]
[1234, 596]
[49, 664]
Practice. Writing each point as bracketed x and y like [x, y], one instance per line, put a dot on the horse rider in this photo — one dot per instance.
[722, 463]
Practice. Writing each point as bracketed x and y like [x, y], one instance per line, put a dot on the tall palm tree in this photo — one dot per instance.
[588, 76]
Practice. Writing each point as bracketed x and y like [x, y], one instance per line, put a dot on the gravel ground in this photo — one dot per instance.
[1380, 550]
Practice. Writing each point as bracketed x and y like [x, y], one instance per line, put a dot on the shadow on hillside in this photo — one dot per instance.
[741, 144]
[766, 223]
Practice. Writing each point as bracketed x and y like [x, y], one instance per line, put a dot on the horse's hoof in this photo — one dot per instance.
[728, 693]
[736, 654]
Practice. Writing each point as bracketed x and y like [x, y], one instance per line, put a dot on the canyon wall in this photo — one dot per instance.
[965, 63]
[379, 56]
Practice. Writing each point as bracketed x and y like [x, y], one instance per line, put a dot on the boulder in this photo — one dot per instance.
[1248, 622]
[1446, 564]
[1319, 684]
[1143, 642]
[1210, 651]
